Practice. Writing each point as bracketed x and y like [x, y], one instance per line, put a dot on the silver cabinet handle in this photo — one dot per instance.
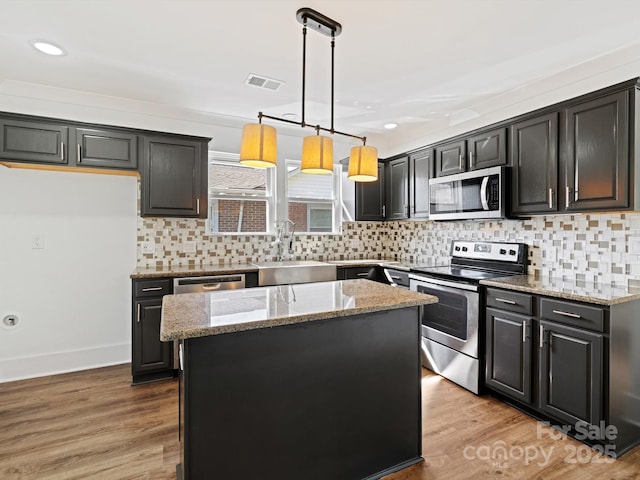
[197, 206]
[551, 198]
[79, 154]
[503, 300]
[394, 278]
[566, 314]
[138, 315]
[568, 194]
[151, 289]
[211, 287]
[364, 274]
[384, 210]
[575, 195]
[541, 336]
[524, 332]
[460, 161]
[61, 150]
[471, 159]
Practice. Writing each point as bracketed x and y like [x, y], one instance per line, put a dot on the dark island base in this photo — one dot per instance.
[337, 398]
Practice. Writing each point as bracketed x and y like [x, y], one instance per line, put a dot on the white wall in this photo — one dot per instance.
[73, 296]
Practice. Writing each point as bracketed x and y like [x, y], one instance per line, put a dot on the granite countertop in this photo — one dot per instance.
[194, 315]
[198, 270]
[601, 294]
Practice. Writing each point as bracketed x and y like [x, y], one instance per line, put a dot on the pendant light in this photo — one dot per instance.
[258, 147]
[363, 164]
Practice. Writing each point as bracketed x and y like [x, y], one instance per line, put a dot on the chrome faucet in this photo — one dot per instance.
[284, 239]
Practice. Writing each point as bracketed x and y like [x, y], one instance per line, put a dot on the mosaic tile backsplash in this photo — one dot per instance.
[600, 248]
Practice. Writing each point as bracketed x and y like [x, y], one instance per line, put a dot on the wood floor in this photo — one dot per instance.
[94, 425]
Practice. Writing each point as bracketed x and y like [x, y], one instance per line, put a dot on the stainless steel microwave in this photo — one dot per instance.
[476, 194]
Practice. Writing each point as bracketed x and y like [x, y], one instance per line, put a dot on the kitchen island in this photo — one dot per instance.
[311, 381]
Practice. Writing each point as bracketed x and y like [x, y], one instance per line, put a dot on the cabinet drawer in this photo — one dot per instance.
[510, 301]
[152, 288]
[360, 272]
[399, 277]
[574, 314]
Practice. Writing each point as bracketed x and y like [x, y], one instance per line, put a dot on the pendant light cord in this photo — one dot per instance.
[304, 67]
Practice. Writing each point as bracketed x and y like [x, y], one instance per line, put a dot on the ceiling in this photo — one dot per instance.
[432, 66]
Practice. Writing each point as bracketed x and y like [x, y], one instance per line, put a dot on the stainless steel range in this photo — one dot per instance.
[451, 330]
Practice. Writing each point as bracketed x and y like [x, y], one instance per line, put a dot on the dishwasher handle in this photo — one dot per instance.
[208, 283]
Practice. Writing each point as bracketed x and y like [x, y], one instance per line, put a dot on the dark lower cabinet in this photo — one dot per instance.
[151, 359]
[353, 273]
[105, 148]
[370, 199]
[174, 177]
[150, 354]
[509, 347]
[570, 369]
[33, 141]
[570, 363]
[597, 160]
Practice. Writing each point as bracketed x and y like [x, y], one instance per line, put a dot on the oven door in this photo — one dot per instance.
[453, 321]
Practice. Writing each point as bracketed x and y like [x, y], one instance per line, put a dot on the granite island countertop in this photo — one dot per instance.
[195, 315]
[601, 294]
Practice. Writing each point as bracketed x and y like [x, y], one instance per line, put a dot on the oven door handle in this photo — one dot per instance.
[483, 193]
[444, 283]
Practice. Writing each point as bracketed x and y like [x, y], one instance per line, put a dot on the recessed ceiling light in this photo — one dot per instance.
[390, 126]
[48, 48]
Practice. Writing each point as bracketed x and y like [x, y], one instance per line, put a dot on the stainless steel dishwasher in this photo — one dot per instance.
[211, 283]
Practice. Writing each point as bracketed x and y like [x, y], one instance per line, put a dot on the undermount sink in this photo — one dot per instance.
[294, 271]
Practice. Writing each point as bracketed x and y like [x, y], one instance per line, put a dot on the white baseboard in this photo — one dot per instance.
[63, 362]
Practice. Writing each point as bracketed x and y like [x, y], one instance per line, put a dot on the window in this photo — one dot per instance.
[240, 198]
[313, 201]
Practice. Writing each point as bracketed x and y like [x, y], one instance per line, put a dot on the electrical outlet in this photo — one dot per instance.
[37, 241]
[148, 247]
[189, 247]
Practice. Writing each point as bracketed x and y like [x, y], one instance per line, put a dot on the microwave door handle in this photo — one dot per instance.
[483, 193]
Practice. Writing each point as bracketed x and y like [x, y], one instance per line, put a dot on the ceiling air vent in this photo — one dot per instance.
[263, 82]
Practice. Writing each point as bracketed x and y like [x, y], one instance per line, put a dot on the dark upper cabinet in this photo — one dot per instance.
[105, 148]
[534, 157]
[370, 198]
[571, 373]
[174, 177]
[33, 141]
[451, 158]
[420, 170]
[488, 149]
[509, 347]
[597, 154]
[397, 189]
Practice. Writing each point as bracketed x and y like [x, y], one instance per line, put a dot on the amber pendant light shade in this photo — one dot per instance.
[258, 147]
[317, 154]
[363, 164]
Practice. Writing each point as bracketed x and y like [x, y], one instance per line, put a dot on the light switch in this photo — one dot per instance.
[148, 247]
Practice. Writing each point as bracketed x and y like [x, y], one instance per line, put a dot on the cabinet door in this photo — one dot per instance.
[104, 148]
[420, 172]
[597, 163]
[149, 353]
[37, 142]
[508, 357]
[172, 178]
[354, 273]
[487, 149]
[397, 191]
[534, 155]
[450, 159]
[370, 198]
[571, 373]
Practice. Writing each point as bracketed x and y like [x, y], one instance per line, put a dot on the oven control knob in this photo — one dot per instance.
[457, 249]
[512, 252]
[503, 251]
[464, 249]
